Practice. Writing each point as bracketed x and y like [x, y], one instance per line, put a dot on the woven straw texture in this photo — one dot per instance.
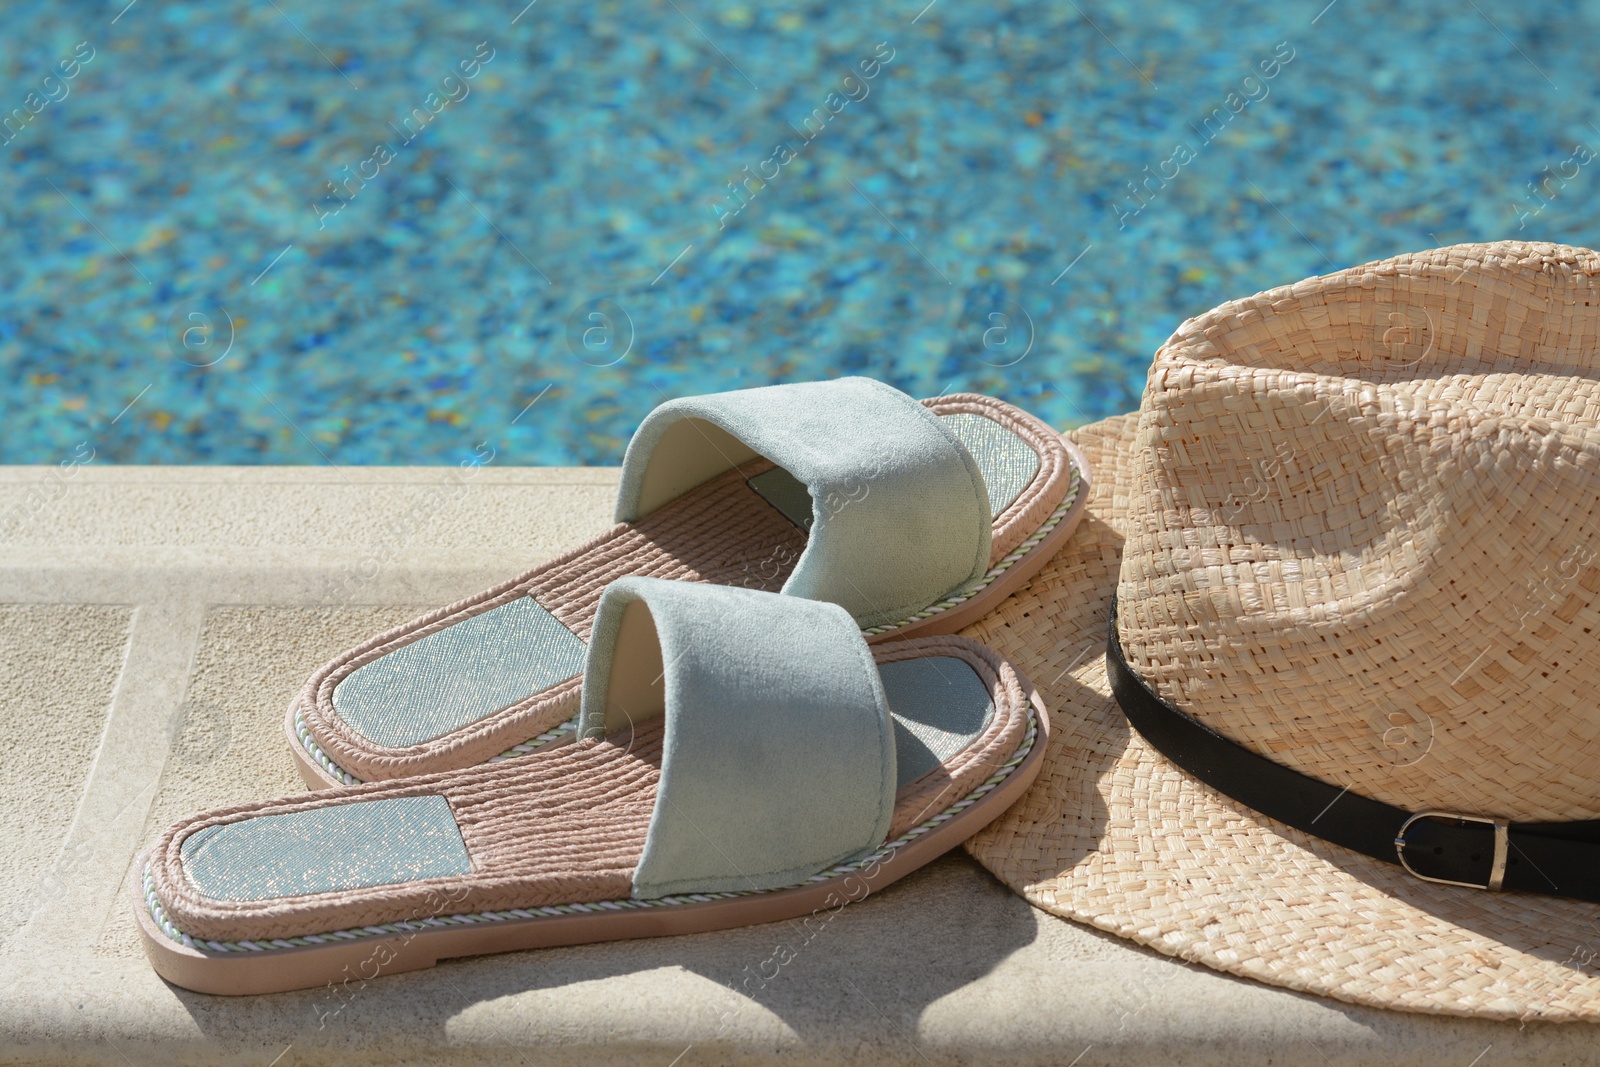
[722, 532]
[560, 826]
[1353, 527]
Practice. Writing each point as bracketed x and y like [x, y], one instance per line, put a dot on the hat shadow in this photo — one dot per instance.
[1086, 726]
[1556, 929]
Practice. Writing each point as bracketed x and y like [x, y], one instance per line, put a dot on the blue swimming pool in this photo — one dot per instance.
[280, 231]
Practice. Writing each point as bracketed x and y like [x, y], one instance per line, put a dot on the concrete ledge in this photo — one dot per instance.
[154, 623]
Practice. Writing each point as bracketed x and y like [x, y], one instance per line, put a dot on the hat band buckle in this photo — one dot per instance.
[1502, 841]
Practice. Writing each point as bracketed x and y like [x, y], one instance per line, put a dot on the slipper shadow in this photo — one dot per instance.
[884, 959]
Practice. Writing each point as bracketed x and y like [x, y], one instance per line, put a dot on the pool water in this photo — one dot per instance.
[408, 232]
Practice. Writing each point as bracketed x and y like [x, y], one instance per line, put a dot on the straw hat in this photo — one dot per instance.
[1354, 529]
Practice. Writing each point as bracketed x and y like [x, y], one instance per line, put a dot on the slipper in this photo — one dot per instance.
[745, 758]
[917, 518]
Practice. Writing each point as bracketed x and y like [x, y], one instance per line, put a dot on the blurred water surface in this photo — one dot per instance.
[423, 232]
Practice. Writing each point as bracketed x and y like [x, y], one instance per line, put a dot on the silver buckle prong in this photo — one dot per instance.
[1502, 844]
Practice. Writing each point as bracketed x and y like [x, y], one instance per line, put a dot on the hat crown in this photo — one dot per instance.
[1364, 532]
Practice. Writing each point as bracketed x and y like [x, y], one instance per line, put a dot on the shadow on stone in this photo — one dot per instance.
[874, 966]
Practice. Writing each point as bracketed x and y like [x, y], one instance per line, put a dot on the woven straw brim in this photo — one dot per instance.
[1113, 835]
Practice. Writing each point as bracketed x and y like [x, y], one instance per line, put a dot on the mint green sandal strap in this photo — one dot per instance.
[779, 757]
[900, 512]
